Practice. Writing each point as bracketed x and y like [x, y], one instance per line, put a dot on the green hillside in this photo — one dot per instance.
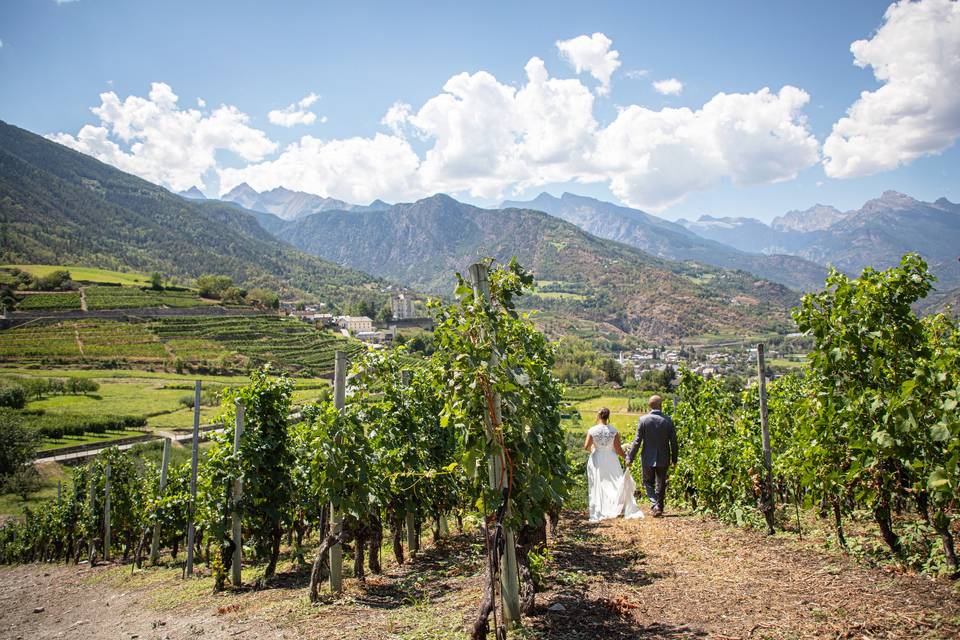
[58, 206]
[612, 287]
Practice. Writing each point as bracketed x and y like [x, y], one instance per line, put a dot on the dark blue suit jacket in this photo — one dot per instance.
[655, 431]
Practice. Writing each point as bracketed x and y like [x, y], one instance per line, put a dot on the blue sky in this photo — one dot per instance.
[362, 58]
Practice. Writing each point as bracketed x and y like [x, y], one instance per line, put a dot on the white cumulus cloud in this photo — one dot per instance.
[156, 140]
[655, 158]
[668, 87]
[296, 113]
[593, 55]
[477, 136]
[397, 117]
[353, 169]
[915, 54]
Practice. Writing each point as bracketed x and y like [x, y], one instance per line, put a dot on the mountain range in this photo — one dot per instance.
[290, 205]
[877, 235]
[670, 240]
[59, 206]
[658, 284]
[585, 281]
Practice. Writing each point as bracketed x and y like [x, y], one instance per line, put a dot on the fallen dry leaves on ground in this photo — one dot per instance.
[677, 577]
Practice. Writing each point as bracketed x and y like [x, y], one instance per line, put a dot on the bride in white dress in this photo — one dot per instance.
[610, 489]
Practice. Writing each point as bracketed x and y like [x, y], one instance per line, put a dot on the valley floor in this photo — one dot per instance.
[677, 577]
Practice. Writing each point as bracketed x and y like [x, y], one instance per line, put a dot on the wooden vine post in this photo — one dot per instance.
[237, 525]
[410, 518]
[336, 519]
[90, 501]
[155, 543]
[191, 507]
[509, 575]
[106, 513]
[767, 496]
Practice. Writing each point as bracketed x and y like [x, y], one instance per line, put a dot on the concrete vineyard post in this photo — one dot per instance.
[106, 513]
[191, 508]
[339, 401]
[59, 491]
[444, 527]
[237, 494]
[765, 434]
[509, 575]
[155, 543]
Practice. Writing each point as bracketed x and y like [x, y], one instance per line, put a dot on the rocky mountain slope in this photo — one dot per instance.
[290, 205]
[585, 281]
[666, 239]
[877, 235]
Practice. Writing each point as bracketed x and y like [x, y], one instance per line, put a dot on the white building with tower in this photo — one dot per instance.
[401, 307]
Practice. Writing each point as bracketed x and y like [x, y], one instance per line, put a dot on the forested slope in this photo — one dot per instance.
[62, 207]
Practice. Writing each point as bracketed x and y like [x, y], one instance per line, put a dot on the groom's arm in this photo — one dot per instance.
[635, 445]
[674, 449]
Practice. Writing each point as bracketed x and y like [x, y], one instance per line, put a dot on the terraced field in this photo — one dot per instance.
[290, 344]
[66, 301]
[81, 340]
[99, 297]
[205, 343]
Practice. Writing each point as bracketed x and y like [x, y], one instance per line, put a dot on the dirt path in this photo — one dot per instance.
[689, 577]
[676, 577]
[76, 335]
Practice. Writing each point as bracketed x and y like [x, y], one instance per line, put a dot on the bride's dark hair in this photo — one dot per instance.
[604, 414]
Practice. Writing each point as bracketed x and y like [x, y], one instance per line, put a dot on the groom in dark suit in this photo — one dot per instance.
[658, 436]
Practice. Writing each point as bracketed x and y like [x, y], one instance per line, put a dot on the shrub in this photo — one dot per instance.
[82, 386]
[212, 286]
[17, 445]
[58, 280]
[12, 395]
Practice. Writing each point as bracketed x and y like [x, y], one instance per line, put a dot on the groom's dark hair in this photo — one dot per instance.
[604, 414]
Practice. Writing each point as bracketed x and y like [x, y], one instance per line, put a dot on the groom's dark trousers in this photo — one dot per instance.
[655, 484]
[658, 438]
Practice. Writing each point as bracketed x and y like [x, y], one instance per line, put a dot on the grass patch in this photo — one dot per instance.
[182, 419]
[133, 397]
[50, 474]
[787, 364]
[84, 274]
[559, 295]
[127, 374]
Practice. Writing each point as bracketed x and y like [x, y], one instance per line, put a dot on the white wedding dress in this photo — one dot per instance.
[611, 490]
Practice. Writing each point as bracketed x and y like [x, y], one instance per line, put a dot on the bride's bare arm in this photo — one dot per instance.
[588, 443]
[618, 447]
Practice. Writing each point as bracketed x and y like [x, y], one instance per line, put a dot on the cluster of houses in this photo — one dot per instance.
[708, 364]
[362, 328]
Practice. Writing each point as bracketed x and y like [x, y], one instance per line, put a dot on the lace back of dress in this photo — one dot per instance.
[603, 436]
